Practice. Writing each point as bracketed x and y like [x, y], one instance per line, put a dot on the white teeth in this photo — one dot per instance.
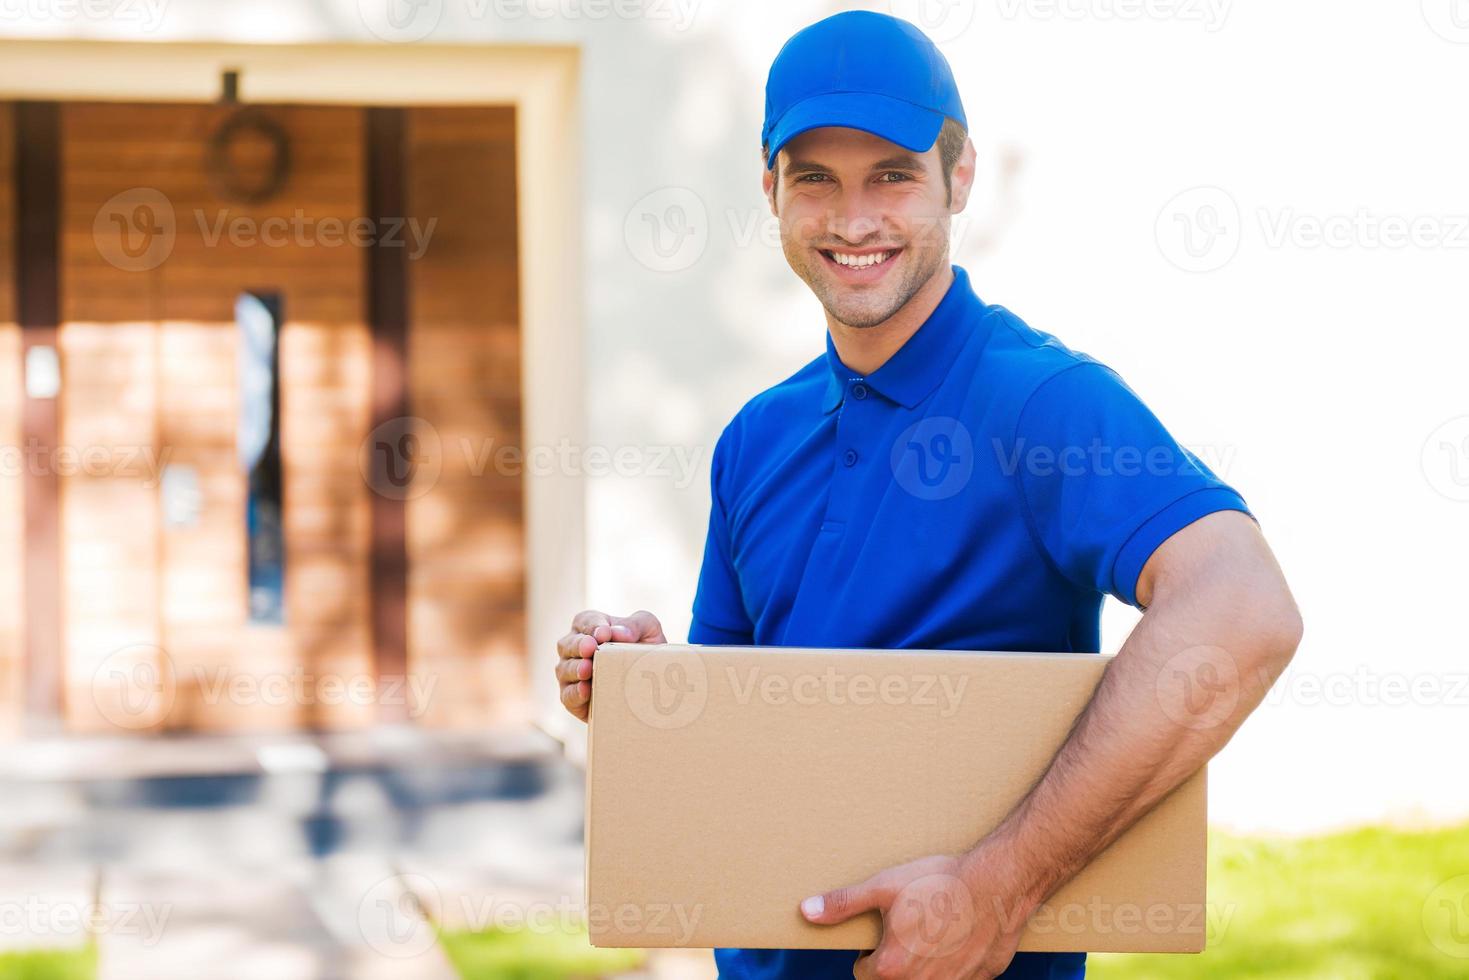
[860, 261]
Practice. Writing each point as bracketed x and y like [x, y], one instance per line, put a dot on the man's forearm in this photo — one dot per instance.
[1214, 639]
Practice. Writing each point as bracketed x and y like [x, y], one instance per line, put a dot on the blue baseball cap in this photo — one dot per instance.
[860, 70]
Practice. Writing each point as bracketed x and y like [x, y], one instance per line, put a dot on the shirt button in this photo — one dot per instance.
[859, 391]
[850, 457]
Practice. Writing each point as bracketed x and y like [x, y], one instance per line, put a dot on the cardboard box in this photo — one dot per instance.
[726, 784]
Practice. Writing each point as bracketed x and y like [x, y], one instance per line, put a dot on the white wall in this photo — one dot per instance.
[1316, 376]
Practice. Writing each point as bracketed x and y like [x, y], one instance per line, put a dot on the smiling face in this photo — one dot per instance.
[863, 221]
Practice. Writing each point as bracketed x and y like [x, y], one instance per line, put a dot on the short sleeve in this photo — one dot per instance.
[719, 611]
[1103, 482]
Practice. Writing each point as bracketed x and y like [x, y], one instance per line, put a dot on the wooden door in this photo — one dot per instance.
[152, 257]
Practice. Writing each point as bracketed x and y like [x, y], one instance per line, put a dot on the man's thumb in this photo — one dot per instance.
[841, 904]
[641, 627]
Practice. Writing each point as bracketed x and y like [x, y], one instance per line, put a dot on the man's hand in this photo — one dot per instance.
[956, 918]
[589, 629]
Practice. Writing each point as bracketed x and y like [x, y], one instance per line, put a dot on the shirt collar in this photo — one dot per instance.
[916, 369]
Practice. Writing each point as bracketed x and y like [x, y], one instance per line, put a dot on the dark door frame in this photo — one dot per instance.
[38, 296]
[387, 315]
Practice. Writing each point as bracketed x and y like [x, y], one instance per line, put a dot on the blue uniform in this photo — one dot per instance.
[981, 490]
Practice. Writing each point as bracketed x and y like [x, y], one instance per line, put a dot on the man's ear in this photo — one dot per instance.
[961, 182]
[767, 184]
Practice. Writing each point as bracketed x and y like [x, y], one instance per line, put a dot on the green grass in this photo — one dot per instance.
[558, 954]
[1372, 904]
[50, 964]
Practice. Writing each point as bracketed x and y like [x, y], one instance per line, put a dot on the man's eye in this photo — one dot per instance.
[895, 176]
[810, 178]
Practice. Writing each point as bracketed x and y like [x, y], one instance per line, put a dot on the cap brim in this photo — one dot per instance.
[911, 127]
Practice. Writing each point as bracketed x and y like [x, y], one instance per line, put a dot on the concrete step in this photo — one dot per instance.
[333, 919]
[358, 804]
[49, 906]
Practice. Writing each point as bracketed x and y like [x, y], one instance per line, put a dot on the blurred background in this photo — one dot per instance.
[348, 347]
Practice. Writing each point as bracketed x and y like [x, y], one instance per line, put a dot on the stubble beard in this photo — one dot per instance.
[865, 308]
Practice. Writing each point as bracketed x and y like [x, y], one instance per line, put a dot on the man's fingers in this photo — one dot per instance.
[641, 627]
[610, 633]
[866, 967]
[887, 961]
[573, 670]
[588, 619]
[576, 696]
[576, 645]
[584, 637]
[840, 904]
[590, 629]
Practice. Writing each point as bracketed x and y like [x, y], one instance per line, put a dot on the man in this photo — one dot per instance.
[947, 477]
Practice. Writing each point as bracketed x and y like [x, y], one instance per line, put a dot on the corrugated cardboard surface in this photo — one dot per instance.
[726, 784]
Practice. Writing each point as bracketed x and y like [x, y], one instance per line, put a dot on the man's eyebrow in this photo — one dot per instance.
[903, 161]
[799, 167]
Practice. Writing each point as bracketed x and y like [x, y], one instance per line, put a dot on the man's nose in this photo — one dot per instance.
[854, 220]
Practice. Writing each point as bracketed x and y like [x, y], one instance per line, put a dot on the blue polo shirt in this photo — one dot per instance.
[981, 490]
